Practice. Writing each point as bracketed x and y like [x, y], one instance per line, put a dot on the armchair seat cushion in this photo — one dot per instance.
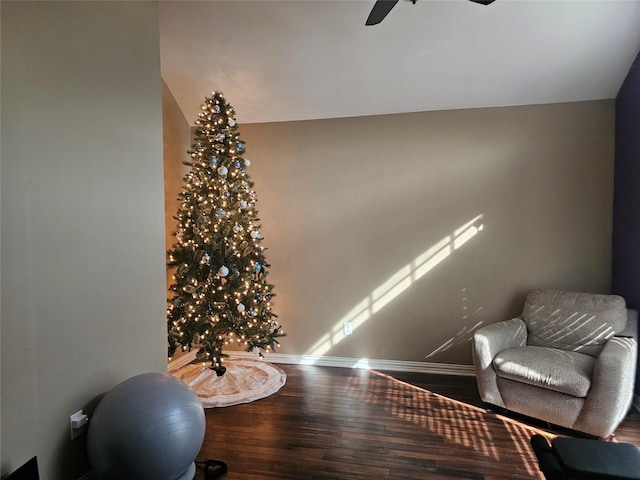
[551, 368]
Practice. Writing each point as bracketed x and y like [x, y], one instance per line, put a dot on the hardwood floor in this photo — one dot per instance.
[348, 424]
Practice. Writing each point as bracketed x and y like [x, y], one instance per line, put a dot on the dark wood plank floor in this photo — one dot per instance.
[348, 424]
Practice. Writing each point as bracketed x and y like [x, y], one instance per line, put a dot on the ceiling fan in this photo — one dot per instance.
[383, 7]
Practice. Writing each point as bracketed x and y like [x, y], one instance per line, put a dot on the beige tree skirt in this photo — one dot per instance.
[243, 382]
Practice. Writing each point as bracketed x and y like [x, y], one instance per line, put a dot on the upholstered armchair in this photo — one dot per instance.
[569, 360]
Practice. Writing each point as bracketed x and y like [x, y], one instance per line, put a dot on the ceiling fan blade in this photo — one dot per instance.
[379, 11]
[483, 2]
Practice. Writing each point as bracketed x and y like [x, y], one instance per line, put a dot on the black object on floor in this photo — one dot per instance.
[213, 468]
[586, 459]
[28, 471]
[548, 463]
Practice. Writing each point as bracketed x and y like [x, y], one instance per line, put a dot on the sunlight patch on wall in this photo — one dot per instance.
[463, 336]
[397, 283]
[385, 293]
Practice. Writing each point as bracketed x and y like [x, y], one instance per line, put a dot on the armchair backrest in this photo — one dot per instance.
[581, 322]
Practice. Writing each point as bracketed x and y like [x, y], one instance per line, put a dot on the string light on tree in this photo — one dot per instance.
[220, 288]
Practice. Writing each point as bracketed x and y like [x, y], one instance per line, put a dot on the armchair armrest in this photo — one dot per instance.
[491, 339]
[631, 329]
[611, 390]
[487, 342]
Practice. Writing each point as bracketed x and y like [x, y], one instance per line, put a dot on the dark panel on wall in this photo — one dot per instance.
[626, 203]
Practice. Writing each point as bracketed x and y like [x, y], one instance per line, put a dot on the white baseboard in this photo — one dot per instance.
[344, 362]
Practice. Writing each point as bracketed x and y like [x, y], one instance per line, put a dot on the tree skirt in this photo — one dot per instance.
[243, 382]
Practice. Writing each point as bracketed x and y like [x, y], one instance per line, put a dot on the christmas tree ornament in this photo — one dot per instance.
[243, 204]
[247, 162]
[223, 271]
[240, 307]
[237, 228]
[255, 234]
[214, 160]
[222, 170]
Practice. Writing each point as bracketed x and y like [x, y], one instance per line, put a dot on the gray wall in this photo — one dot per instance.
[176, 135]
[365, 218]
[82, 217]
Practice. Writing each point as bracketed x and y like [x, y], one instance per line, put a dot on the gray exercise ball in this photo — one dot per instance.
[149, 427]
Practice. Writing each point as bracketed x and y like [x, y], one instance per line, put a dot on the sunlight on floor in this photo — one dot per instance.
[397, 283]
[457, 422]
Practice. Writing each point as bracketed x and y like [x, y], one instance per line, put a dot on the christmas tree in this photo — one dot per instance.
[220, 293]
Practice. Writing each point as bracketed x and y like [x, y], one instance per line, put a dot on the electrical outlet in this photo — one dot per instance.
[347, 328]
[78, 423]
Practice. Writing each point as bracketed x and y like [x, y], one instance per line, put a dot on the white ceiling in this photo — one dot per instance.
[308, 59]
